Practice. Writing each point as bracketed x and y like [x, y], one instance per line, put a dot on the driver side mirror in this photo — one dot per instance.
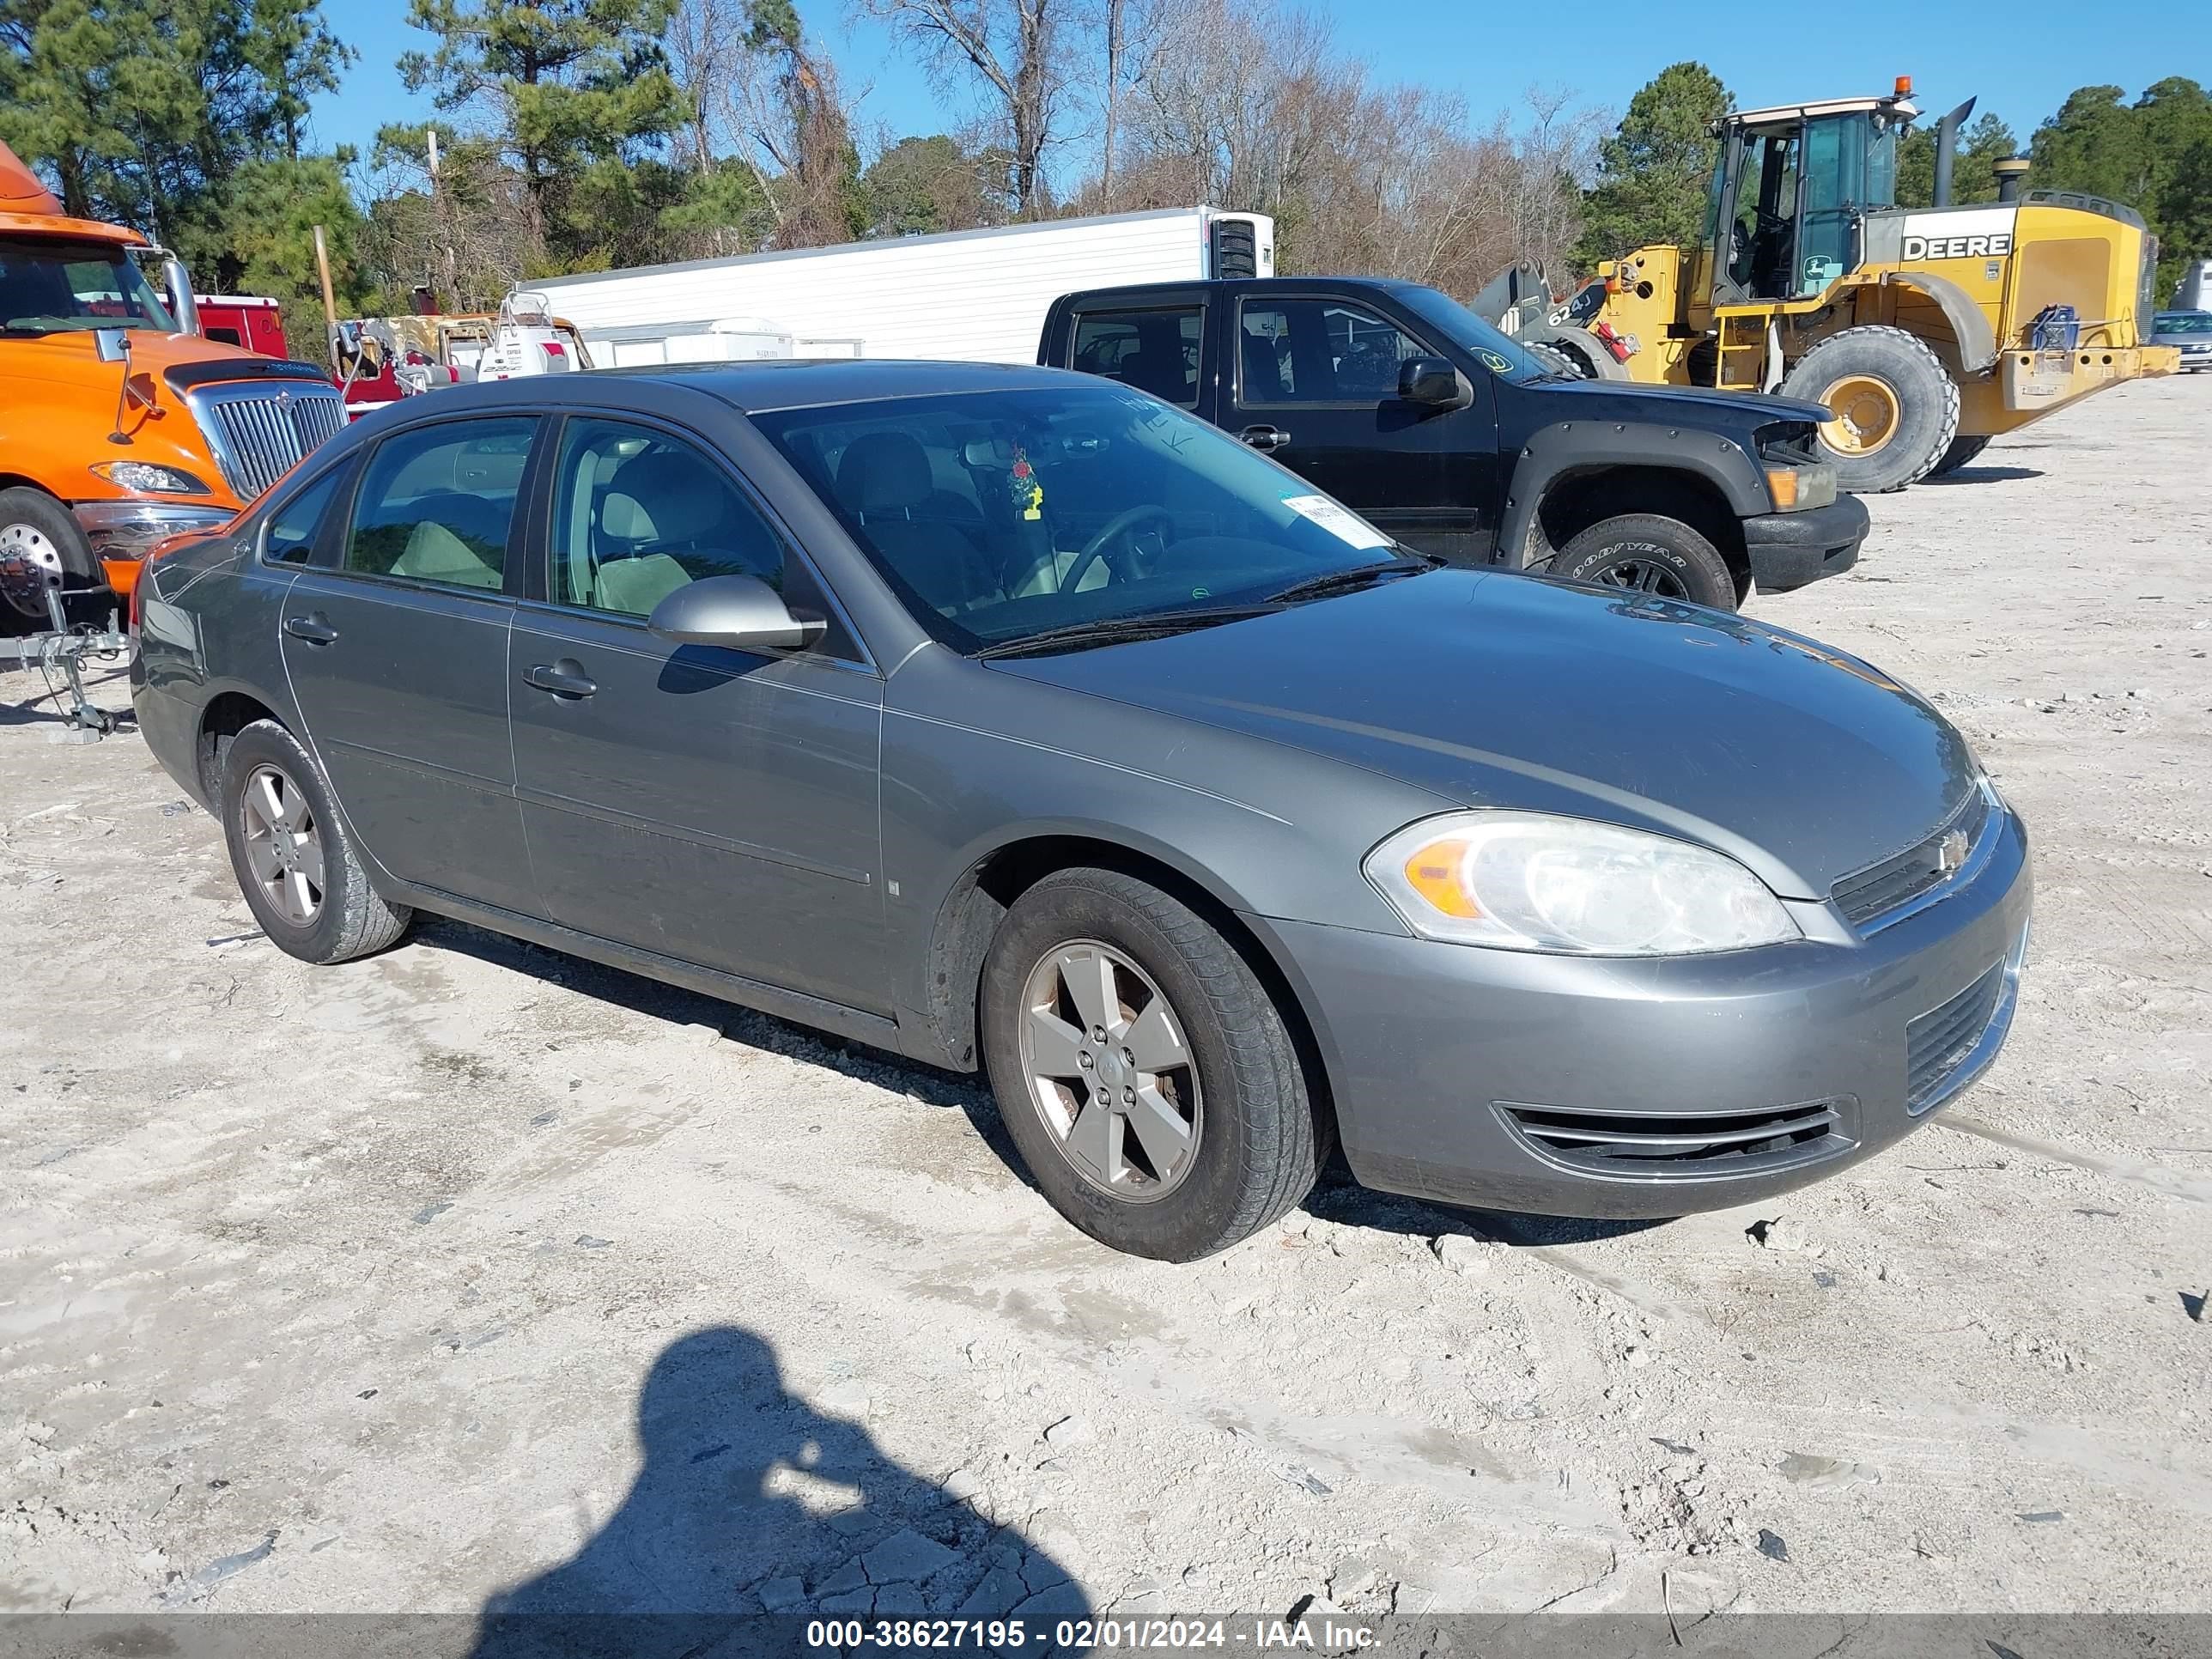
[112, 345]
[742, 613]
[1434, 382]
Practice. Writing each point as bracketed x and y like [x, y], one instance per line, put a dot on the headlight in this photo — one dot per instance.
[1797, 489]
[1528, 881]
[146, 478]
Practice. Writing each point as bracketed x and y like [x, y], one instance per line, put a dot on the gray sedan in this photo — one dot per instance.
[1013, 720]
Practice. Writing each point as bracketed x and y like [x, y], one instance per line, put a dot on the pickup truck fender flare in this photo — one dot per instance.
[1975, 340]
[1553, 455]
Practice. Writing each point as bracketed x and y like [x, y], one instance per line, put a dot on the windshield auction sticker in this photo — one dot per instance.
[1345, 526]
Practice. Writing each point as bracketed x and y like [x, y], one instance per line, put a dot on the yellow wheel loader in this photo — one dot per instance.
[1926, 331]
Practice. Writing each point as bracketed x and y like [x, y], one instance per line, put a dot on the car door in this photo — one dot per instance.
[713, 805]
[1315, 383]
[395, 639]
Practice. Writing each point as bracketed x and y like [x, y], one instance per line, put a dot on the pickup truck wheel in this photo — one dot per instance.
[294, 862]
[38, 541]
[1653, 554]
[1143, 1071]
[1895, 407]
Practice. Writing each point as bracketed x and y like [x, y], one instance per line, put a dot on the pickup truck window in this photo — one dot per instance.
[1318, 351]
[1449, 320]
[1154, 350]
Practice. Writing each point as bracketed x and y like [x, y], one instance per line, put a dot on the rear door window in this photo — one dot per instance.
[438, 503]
[1155, 351]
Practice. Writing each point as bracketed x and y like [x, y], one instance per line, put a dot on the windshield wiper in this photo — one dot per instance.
[1407, 563]
[1116, 630]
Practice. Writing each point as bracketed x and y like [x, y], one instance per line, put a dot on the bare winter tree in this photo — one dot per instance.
[1016, 49]
[1246, 104]
[469, 232]
[770, 135]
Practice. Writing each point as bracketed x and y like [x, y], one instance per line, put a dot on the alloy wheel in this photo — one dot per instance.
[284, 845]
[1108, 1071]
[1651, 576]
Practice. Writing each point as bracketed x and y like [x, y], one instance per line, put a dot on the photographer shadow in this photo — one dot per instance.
[749, 1503]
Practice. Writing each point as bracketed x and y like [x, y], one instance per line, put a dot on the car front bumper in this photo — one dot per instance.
[1511, 1081]
[1788, 550]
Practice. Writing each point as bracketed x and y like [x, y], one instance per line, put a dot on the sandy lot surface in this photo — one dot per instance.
[474, 1270]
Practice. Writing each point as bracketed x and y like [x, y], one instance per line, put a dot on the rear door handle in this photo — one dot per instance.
[564, 678]
[1265, 437]
[315, 628]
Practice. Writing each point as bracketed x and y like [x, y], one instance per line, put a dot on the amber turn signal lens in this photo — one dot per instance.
[1782, 481]
[1433, 872]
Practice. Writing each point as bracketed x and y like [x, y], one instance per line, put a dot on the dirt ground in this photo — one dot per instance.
[473, 1271]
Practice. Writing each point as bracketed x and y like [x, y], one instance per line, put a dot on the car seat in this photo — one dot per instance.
[884, 481]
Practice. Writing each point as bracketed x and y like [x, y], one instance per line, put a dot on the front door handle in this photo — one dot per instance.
[564, 678]
[315, 628]
[1264, 438]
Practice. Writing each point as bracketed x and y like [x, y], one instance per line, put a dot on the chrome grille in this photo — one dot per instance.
[259, 431]
[1880, 888]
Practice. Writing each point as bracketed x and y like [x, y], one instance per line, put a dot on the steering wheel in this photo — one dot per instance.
[1117, 528]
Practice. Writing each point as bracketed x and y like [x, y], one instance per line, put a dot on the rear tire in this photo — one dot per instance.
[1247, 1141]
[1895, 406]
[40, 539]
[294, 862]
[1961, 452]
[1649, 553]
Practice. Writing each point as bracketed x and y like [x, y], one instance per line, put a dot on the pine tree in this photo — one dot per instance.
[1655, 172]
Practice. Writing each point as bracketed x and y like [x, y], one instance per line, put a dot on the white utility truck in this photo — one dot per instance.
[969, 295]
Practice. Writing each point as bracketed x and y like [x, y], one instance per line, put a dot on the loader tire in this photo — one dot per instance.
[1557, 359]
[1961, 452]
[1895, 407]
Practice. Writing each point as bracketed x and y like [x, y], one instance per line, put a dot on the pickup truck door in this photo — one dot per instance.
[1312, 380]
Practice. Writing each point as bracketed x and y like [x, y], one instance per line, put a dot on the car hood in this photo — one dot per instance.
[72, 355]
[1801, 762]
[1752, 410]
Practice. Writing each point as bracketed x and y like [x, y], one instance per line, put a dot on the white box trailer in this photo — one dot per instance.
[971, 295]
[725, 340]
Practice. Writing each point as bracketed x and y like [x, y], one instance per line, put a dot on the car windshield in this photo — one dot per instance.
[1500, 354]
[1002, 515]
[2183, 322]
[47, 287]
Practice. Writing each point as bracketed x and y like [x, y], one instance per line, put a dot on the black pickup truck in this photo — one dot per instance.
[1448, 435]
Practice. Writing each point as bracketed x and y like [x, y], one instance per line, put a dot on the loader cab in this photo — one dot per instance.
[1789, 189]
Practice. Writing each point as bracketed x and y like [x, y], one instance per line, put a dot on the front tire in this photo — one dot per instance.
[1649, 553]
[40, 542]
[1894, 406]
[1144, 1072]
[294, 862]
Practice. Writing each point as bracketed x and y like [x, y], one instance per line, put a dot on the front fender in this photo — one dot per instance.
[1970, 328]
[1566, 447]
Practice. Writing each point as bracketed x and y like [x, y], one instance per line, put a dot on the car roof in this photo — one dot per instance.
[748, 387]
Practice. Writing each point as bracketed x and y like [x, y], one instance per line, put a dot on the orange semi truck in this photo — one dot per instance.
[121, 423]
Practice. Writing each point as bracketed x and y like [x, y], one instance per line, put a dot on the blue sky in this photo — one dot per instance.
[2021, 61]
